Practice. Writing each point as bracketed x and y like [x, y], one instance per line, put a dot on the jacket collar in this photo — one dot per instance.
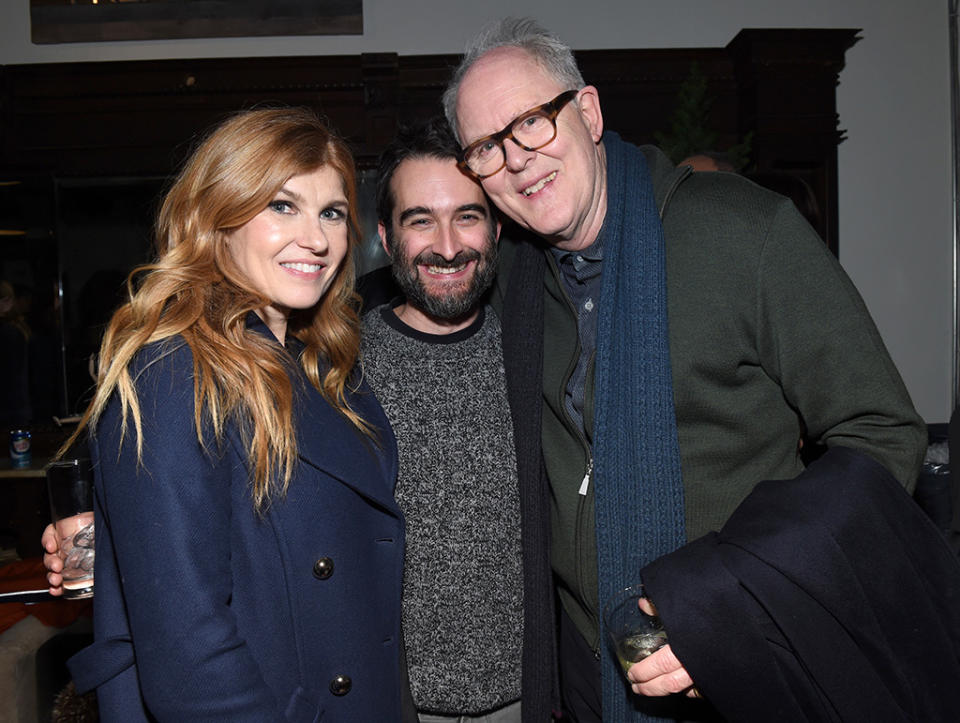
[328, 441]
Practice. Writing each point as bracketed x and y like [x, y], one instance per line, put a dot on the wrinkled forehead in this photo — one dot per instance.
[501, 85]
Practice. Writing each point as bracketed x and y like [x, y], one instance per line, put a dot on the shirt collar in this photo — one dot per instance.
[584, 263]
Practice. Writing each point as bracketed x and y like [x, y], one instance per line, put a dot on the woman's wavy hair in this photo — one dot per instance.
[194, 290]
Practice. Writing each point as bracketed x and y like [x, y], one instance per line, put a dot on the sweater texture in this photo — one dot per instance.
[445, 397]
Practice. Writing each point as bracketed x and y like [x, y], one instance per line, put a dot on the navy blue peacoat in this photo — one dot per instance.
[205, 610]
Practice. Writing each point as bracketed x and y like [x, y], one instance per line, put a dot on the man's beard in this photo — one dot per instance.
[458, 302]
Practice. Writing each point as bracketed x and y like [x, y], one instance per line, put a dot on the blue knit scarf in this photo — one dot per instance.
[639, 495]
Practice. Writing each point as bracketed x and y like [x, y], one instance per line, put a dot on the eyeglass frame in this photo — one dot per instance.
[550, 110]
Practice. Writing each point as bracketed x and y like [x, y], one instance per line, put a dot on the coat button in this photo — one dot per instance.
[341, 685]
[323, 568]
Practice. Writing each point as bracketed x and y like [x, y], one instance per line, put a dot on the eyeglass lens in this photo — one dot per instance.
[531, 131]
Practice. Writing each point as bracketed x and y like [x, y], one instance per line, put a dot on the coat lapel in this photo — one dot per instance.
[328, 441]
[331, 444]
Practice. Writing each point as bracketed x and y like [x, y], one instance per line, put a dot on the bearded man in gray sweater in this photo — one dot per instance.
[433, 358]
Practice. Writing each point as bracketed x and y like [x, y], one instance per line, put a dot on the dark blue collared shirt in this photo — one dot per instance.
[580, 274]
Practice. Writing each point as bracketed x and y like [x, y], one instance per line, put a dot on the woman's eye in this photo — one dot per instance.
[281, 206]
[332, 214]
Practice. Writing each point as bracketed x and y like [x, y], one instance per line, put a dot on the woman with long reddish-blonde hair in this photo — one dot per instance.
[249, 550]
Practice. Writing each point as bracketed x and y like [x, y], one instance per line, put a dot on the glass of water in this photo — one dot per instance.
[632, 626]
[70, 486]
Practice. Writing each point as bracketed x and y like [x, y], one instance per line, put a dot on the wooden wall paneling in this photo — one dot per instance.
[139, 118]
[787, 86]
[638, 88]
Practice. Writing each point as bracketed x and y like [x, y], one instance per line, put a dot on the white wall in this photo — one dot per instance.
[895, 198]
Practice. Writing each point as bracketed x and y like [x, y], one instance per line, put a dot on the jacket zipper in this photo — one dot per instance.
[588, 452]
[585, 484]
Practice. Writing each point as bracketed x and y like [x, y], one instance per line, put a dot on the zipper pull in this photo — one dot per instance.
[586, 478]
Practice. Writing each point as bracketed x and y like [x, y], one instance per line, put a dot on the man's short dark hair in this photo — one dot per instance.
[430, 139]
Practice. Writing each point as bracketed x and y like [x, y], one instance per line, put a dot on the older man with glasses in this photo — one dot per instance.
[686, 331]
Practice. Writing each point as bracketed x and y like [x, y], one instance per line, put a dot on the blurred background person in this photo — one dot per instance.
[15, 408]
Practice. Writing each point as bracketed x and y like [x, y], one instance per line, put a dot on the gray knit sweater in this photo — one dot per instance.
[463, 589]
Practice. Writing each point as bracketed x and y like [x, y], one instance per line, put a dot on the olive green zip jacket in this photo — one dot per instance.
[769, 341]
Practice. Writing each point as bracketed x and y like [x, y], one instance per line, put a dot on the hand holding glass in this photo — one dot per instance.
[70, 484]
[632, 626]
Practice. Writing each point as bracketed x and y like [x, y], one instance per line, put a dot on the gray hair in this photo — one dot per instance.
[549, 52]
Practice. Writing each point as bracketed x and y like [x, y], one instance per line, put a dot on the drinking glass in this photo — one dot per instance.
[70, 484]
[632, 626]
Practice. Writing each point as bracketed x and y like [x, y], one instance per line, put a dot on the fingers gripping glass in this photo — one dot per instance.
[531, 130]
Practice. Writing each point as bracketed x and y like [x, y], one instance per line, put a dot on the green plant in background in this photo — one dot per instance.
[690, 132]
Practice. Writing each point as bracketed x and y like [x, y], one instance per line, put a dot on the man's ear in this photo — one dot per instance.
[382, 231]
[589, 104]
